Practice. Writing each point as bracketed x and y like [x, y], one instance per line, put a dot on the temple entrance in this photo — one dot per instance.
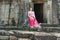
[38, 8]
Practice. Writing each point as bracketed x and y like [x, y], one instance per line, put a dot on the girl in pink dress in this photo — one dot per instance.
[32, 20]
[31, 17]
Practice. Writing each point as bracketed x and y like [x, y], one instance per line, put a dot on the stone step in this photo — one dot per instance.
[32, 34]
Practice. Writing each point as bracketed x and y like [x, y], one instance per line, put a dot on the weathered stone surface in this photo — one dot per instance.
[31, 35]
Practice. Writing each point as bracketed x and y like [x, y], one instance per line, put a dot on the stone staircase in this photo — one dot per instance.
[51, 27]
[28, 35]
[45, 28]
[36, 35]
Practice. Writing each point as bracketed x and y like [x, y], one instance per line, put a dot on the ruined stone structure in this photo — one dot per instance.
[45, 10]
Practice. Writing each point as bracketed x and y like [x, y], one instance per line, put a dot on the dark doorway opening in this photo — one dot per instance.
[38, 8]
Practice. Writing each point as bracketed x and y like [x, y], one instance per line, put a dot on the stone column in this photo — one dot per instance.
[54, 11]
[45, 11]
[25, 5]
[49, 11]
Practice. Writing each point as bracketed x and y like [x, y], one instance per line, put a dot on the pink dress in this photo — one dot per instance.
[37, 25]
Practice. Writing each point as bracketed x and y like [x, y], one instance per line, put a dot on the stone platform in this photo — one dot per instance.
[31, 35]
[36, 35]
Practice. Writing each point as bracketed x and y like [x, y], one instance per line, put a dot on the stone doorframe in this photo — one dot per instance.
[47, 10]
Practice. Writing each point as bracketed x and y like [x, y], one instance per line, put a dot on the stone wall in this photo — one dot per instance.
[54, 11]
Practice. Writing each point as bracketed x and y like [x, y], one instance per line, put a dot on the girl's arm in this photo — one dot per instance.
[34, 15]
[28, 14]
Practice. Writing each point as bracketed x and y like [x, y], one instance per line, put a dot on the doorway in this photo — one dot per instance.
[38, 8]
